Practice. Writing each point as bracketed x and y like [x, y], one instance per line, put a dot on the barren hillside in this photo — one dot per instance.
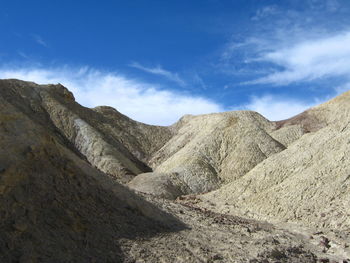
[62, 167]
[308, 182]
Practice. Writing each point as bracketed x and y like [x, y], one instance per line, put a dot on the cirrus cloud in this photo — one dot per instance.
[309, 60]
[158, 70]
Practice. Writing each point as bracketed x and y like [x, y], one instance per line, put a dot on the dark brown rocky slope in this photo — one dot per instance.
[54, 206]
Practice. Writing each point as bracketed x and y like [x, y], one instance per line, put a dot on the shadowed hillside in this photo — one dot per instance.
[54, 206]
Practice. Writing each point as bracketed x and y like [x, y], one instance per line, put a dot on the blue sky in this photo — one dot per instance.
[158, 60]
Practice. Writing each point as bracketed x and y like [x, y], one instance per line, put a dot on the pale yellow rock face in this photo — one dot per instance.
[309, 182]
[209, 150]
[295, 170]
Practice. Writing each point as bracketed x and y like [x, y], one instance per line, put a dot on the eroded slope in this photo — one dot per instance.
[109, 140]
[54, 206]
[207, 151]
[307, 183]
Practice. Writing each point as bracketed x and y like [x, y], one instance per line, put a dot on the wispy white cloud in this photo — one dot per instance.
[276, 107]
[139, 100]
[309, 60]
[39, 40]
[287, 45]
[146, 102]
[158, 70]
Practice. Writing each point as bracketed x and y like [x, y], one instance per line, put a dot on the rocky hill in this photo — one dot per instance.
[54, 205]
[293, 170]
[308, 182]
[208, 151]
[63, 166]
